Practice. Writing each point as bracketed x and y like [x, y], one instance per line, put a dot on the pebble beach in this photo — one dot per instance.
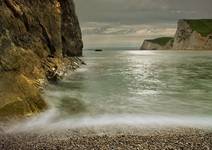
[88, 139]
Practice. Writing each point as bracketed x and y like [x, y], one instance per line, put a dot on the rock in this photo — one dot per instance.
[193, 35]
[71, 33]
[19, 97]
[34, 37]
[163, 43]
[98, 50]
[190, 35]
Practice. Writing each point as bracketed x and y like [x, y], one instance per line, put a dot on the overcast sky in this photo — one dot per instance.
[126, 23]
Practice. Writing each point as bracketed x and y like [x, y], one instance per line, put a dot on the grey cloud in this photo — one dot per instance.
[93, 28]
[118, 35]
[142, 11]
[128, 22]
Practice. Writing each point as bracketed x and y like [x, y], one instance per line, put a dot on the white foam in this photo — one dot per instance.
[52, 121]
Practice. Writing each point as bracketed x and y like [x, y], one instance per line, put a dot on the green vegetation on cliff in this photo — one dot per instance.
[203, 26]
[162, 40]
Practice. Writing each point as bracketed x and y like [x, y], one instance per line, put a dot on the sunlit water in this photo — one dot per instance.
[133, 87]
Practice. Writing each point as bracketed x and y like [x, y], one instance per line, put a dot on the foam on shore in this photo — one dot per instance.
[52, 121]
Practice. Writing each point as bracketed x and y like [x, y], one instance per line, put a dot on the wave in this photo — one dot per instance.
[52, 121]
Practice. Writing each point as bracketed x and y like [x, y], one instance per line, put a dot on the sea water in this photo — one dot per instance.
[149, 88]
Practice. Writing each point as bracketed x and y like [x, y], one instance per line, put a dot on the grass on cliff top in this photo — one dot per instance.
[203, 26]
[162, 40]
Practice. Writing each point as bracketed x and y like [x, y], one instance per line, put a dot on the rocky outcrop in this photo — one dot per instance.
[193, 35]
[190, 35]
[34, 37]
[71, 32]
[164, 43]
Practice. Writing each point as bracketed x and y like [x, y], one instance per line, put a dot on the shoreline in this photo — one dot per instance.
[179, 138]
[53, 70]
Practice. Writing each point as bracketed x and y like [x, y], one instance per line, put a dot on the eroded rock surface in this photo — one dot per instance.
[71, 32]
[35, 35]
[188, 38]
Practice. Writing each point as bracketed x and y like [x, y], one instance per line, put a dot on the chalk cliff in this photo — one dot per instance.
[163, 43]
[35, 37]
[190, 35]
[193, 35]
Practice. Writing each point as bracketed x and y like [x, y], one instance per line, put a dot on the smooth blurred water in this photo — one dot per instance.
[134, 88]
[163, 83]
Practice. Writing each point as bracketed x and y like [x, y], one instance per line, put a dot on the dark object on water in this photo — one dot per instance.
[98, 50]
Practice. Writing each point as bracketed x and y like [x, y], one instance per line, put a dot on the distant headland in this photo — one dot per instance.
[190, 35]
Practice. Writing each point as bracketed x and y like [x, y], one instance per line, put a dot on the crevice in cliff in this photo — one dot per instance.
[25, 21]
[47, 38]
[14, 8]
[17, 12]
[63, 49]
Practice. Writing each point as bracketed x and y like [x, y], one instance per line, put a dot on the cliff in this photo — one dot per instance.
[193, 35]
[162, 43]
[35, 37]
[190, 35]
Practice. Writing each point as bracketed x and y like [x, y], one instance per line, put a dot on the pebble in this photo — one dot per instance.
[192, 140]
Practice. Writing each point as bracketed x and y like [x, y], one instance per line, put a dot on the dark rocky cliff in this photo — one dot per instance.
[35, 35]
[71, 32]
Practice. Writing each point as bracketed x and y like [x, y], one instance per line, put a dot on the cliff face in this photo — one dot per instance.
[71, 32]
[164, 43]
[189, 35]
[34, 37]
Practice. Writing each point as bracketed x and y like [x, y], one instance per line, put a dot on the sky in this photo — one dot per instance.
[126, 23]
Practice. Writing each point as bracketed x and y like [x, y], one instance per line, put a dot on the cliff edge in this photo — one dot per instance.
[35, 38]
[190, 35]
[193, 35]
[163, 43]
